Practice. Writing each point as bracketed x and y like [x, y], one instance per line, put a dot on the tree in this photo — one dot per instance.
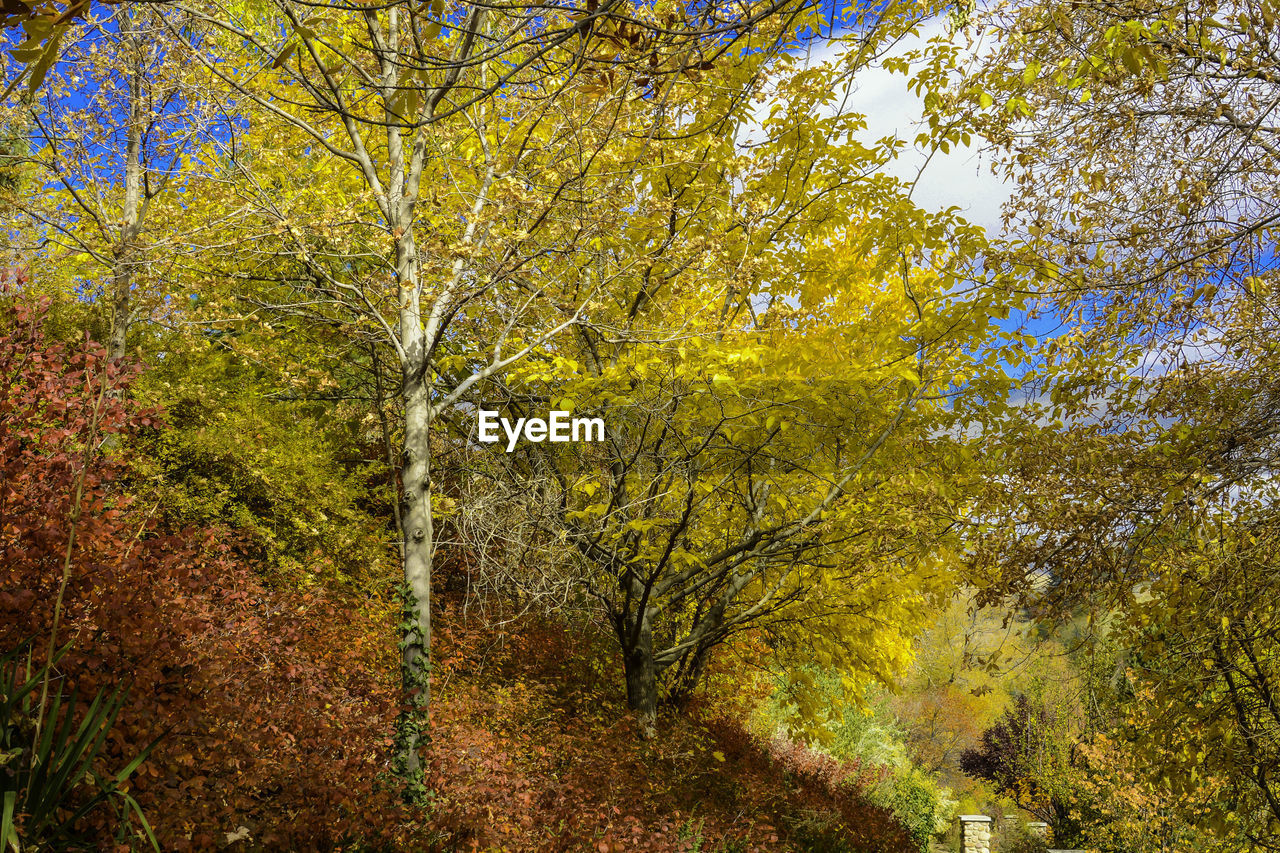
[110, 135]
[1030, 754]
[272, 428]
[1143, 143]
[522, 126]
[1155, 510]
[956, 688]
[44, 22]
[778, 387]
[1205, 645]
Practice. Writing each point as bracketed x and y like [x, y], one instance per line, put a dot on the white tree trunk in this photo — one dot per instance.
[124, 258]
[419, 542]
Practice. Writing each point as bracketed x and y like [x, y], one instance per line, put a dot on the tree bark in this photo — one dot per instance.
[393, 485]
[641, 672]
[419, 542]
[688, 676]
[125, 255]
[418, 537]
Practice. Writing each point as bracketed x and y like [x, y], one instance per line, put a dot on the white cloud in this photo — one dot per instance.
[962, 177]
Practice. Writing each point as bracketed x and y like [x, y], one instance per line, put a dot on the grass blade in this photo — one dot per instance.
[9, 832]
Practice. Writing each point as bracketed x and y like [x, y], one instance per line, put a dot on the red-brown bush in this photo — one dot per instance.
[276, 706]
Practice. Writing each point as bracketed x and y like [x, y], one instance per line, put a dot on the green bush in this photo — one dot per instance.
[1019, 839]
[917, 800]
[871, 738]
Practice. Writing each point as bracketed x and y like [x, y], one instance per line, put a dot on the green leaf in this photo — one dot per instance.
[8, 832]
[45, 62]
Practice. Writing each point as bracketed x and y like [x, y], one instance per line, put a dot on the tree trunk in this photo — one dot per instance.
[389, 454]
[415, 516]
[125, 255]
[687, 677]
[642, 674]
[121, 282]
[418, 544]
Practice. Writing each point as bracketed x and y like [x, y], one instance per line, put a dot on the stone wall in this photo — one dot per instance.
[975, 833]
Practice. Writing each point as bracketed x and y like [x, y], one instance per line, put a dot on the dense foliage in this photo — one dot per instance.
[891, 517]
[260, 697]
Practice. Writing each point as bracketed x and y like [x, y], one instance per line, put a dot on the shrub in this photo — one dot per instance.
[870, 742]
[916, 799]
[277, 704]
[1020, 839]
